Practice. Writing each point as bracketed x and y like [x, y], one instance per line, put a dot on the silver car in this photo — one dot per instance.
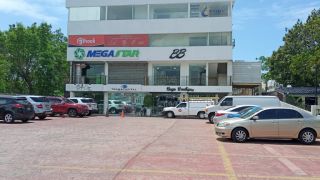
[278, 122]
[41, 105]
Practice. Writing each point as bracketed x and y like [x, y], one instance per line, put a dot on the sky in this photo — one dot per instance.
[258, 25]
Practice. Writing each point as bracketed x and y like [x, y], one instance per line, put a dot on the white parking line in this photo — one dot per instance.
[290, 165]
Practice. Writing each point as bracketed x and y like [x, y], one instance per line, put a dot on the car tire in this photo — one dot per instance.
[170, 114]
[89, 113]
[307, 136]
[42, 117]
[239, 135]
[211, 116]
[8, 118]
[72, 113]
[81, 115]
[201, 115]
[113, 111]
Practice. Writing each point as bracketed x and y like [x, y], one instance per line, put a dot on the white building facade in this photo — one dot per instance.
[165, 48]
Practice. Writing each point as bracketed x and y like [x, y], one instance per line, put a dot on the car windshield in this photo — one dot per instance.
[39, 99]
[88, 100]
[250, 112]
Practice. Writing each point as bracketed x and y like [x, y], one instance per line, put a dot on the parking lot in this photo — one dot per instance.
[145, 148]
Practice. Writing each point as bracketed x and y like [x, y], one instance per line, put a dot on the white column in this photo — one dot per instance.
[207, 74]
[72, 94]
[229, 73]
[106, 72]
[150, 74]
[78, 74]
[105, 102]
[184, 73]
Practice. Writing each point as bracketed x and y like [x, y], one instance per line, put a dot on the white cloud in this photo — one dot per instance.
[287, 14]
[34, 9]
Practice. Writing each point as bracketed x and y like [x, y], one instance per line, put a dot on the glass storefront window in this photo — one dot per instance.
[168, 11]
[171, 40]
[166, 75]
[87, 13]
[127, 12]
[197, 75]
[220, 39]
[215, 9]
[89, 73]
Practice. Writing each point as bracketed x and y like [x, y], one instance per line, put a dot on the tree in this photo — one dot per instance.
[36, 59]
[293, 63]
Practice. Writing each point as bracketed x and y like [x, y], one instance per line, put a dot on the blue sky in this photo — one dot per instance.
[258, 25]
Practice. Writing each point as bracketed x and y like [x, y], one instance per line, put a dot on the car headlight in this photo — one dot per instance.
[223, 124]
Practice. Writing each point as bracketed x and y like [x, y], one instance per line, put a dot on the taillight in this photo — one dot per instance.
[219, 114]
[40, 106]
[18, 106]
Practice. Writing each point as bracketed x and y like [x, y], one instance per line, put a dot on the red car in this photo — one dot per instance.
[62, 105]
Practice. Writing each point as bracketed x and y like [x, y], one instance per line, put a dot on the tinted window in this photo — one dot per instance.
[182, 105]
[87, 100]
[227, 102]
[239, 109]
[268, 114]
[117, 102]
[288, 114]
[74, 100]
[39, 99]
[68, 101]
[3, 101]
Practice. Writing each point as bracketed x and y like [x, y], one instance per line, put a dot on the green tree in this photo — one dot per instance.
[293, 63]
[36, 59]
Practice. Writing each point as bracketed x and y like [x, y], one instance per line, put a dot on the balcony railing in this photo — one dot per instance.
[221, 80]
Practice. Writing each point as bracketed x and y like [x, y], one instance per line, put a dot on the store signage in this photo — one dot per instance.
[86, 41]
[83, 87]
[178, 53]
[180, 89]
[132, 40]
[80, 53]
[123, 88]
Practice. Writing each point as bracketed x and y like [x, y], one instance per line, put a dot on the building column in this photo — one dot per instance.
[229, 73]
[150, 77]
[105, 102]
[184, 72]
[72, 94]
[78, 74]
[106, 72]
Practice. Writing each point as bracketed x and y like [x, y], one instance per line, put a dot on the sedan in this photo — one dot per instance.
[278, 122]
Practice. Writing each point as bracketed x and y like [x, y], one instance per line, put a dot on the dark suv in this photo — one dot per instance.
[12, 109]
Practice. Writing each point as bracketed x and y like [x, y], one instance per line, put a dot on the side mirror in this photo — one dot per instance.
[255, 118]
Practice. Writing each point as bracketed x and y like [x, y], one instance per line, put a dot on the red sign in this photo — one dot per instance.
[132, 40]
[86, 40]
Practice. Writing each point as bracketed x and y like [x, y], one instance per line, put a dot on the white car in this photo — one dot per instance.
[230, 112]
[92, 105]
[41, 105]
[191, 108]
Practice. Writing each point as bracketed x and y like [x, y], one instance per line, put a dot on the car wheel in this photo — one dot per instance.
[89, 113]
[239, 135]
[211, 117]
[72, 113]
[42, 117]
[8, 118]
[307, 136]
[201, 115]
[170, 115]
[81, 115]
[113, 111]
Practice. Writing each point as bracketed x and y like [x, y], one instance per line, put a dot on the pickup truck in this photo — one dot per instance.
[191, 108]
[65, 106]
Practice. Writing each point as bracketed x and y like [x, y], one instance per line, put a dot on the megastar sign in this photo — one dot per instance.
[80, 53]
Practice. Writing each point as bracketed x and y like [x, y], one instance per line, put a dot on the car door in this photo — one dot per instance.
[290, 123]
[182, 109]
[266, 125]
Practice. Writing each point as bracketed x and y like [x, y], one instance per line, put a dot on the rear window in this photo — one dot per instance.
[87, 100]
[21, 101]
[39, 99]
[117, 102]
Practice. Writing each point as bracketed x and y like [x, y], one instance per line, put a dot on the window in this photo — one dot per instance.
[39, 99]
[268, 114]
[74, 100]
[166, 75]
[87, 13]
[182, 105]
[215, 9]
[288, 114]
[197, 75]
[172, 40]
[3, 101]
[127, 12]
[227, 102]
[89, 100]
[168, 11]
[239, 109]
[220, 39]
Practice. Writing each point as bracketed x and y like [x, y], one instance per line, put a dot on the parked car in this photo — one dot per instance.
[115, 106]
[92, 105]
[12, 109]
[61, 105]
[191, 108]
[229, 101]
[41, 105]
[278, 122]
[235, 111]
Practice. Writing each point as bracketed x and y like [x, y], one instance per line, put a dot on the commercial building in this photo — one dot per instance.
[170, 49]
